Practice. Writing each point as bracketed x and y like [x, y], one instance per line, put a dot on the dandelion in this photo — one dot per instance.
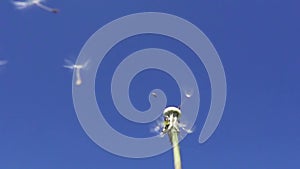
[170, 125]
[28, 3]
[77, 69]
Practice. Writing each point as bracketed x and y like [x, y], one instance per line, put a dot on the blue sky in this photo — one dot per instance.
[257, 41]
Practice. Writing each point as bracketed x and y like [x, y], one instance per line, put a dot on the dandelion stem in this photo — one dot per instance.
[173, 134]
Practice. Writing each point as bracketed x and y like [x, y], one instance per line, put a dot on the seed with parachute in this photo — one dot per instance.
[28, 3]
[76, 68]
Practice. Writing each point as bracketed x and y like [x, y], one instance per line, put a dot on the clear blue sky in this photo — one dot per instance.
[258, 43]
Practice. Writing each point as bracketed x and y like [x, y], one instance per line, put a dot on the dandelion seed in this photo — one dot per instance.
[188, 94]
[154, 94]
[28, 3]
[3, 62]
[183, 127]
[77, 69]
[22, 5]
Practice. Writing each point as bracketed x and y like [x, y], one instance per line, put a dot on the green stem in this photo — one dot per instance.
[176, 151]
